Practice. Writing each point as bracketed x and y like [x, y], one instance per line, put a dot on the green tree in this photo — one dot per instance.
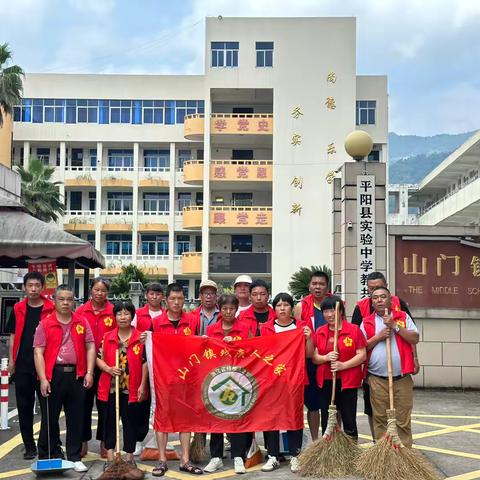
[121, 283]
[11, 82]
[299, 281]
[40, 196]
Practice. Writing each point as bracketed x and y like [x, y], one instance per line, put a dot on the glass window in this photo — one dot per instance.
[119, 201]
[92, 201]
[119, 244]
[91, 238]
[156, 160]
[120, 160]
[183, 156]
[224, 54]
[49, 114]
[184, 199]
[156, 202]
[242, 243]
[93, 158]
[240, 199]
[125, 115]
[154, 244]
[43, 154]
[75, 200]
[17, 114]
[365, 114]
[264, 54]
[183, 244]
[82, 114]
[71, 115]
[114, 115]
[37, 114]
[137, 112]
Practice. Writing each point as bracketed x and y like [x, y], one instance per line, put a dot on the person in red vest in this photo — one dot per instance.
[363, 309]
[386, 322]
[309, 311]
[146, 315]
[347, 362]
[133, 373]
[283, 306]
[207, 312]
[175, 322]
[228, 328]
[260, 311]
[99, 313]
[64, 352]
[22, 323]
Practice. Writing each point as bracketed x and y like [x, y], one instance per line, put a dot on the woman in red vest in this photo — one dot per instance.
[133, 375]
[98, 311]
[346, 363]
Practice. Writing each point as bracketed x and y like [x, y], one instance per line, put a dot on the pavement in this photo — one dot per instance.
[446, 429]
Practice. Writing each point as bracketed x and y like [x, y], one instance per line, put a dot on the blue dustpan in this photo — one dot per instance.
[51, 465]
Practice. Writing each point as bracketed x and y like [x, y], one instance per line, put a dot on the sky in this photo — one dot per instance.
[430, 49]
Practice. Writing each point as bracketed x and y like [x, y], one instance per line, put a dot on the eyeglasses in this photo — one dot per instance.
[209, 294]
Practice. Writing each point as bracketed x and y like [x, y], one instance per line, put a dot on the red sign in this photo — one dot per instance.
[243, 386]
[48, 268]
[437, 274]
[219, 218]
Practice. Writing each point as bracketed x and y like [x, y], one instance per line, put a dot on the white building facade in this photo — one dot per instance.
[210, 175]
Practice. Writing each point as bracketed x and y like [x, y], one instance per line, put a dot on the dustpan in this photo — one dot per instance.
[50, 465]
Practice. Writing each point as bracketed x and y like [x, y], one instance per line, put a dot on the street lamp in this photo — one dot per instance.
[358, 144]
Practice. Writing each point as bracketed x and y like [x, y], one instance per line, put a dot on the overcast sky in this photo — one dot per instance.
[430, 49]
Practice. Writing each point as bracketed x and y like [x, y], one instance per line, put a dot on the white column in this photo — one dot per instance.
[136, 154]
[171, 217]
[26, 154]
[98, 202]
[206, 189]
[61, 171]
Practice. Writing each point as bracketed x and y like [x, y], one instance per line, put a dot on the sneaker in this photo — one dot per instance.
[80, 466]
[138, 449]
[213, 465]
[238, 465]
[271, 464]
[30, 453]
[294, 465]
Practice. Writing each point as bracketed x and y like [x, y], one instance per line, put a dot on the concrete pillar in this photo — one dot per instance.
[206, 188]
[98, 203]
[61, 171]
[171, 216]
[26, 154]
[136, 155]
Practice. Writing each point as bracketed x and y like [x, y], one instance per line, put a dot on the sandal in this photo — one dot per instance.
[160, 469]
[190, 468]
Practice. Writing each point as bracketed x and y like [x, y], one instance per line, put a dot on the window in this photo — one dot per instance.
[393, 202]
[156, 202]
[264, 54]
[242, 199]
[75, 200]
[120, 160]
[224, 54]
[43, 154]
[184, 200]
[183, 244]
[156, 160]
[119, 244]
[91, 238]
[366, 112]
[184, 284]
[92, 201]
[242, 243]
[153, 111]
[119, 201]
[154, 245]
[242, 154]
[374, 156]
[77, 157]
[183, 155]
[26, 110]
[93, 158]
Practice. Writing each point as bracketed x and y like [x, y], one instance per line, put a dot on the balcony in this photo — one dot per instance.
[229, 171]
[241, 217]
[116, 221]
[86, 177]
[192, 217]
[240, 262]
[116, 177]
[192, 262]
[114, 264]
[79, 221]
[153, 265]
[229, 124]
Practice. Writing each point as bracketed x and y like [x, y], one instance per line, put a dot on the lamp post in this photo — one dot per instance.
[358, 144]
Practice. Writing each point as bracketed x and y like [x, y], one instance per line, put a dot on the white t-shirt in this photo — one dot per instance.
[152, 313]
[285, 328]
[241, 309]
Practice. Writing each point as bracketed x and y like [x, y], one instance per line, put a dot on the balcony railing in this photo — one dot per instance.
[240, 262]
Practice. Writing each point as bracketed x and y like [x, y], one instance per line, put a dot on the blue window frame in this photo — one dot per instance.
[365, 114]
[224, 54]
[119, 244]
[154, 244]
[264, 54]
[183, 244]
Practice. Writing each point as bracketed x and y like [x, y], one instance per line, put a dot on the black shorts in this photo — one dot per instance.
[312, 391]
[367, 410]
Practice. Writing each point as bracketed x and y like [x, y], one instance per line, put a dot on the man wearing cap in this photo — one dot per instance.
[207, 312]
[241, 289]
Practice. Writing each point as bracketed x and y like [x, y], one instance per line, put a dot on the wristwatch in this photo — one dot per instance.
[396, 329]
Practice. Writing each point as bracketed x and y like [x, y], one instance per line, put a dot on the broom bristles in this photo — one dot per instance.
[198, 452]
[333, 455]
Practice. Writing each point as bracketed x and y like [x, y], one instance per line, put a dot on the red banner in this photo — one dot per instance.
[48, 268]
[206, 385]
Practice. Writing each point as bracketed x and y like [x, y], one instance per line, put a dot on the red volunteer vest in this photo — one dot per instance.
[100, 324]
[186, 326]
[268, 328]
[347, 349]
[134, 359]
[53, 335]
[20, 310]
[364, 305]
[145, 322]
[404, 348]
[239, 331]
[308, 312]
[248, 317]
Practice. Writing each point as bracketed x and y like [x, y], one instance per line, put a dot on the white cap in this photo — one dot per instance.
[208, 284]
[243, 279]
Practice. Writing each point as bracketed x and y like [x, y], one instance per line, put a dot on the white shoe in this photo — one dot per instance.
[271, 464]
[80, 467]
[294, 465]
[213, 465]
[238, 465]
[138, 449]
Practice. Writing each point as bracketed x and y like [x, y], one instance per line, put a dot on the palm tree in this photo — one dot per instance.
[121, 283]
[11, 82]
[40, 196]
[298, 284]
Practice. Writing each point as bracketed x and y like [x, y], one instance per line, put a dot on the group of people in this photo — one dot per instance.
[72, 358]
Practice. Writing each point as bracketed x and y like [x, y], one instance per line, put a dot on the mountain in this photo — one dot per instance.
[412, 157]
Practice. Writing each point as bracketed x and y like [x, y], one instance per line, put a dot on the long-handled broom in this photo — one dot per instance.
[120, 469]
[335, 453]
[389, 458]
[198, 452]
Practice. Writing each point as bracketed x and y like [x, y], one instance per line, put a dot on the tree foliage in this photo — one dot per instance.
[121, 284]
[40, 196]
[299, 281]
[11, 82]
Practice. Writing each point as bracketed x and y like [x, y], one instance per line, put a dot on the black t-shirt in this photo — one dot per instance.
[261, 317]
[24, 362]
[357, 316]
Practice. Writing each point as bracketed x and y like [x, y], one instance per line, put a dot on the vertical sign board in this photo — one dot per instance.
[365, 231]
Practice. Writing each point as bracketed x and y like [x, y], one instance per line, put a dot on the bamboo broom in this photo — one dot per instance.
[335, 453]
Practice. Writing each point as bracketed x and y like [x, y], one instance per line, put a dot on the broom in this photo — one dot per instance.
[389, 458]
[335, 453]
[120, 469]
[198, 452]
